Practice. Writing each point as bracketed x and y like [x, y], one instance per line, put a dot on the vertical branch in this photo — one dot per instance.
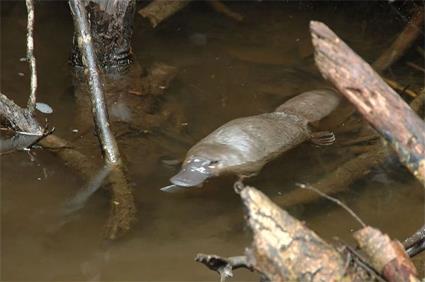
[30, 55]
[107, 140]
[123, 209]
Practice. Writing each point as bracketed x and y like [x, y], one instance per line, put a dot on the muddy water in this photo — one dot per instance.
[226, 70]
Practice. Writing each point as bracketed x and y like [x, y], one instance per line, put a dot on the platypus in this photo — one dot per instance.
[244, 145]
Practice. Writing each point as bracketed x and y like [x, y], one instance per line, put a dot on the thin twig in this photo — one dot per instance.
[336, 201]
[30, 55]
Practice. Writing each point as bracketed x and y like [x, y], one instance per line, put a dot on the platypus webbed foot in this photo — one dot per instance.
[323, 138]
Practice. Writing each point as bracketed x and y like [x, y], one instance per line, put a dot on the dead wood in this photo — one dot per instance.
[159, 10]
[283, 248]
[388, 257]
[403, 41]
[372, 97]
[122, 204]
[19, 118]
[111, 26]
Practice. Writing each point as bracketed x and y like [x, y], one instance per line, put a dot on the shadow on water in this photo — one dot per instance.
[225, 70]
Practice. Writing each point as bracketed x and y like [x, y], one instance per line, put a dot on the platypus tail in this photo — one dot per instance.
[312, 105]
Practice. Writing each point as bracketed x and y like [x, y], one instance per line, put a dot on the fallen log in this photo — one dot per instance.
[377, 102]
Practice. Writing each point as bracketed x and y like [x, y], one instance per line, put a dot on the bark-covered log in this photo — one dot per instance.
[403, 41]
[378, 103]
[283, 248]
[388, 257]
[111, 26]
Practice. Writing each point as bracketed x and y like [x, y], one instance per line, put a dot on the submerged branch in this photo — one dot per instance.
[339, 180]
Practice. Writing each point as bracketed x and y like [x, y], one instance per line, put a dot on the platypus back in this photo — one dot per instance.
[312, 105]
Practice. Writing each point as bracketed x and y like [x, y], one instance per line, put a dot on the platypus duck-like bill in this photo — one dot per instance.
[192, 174]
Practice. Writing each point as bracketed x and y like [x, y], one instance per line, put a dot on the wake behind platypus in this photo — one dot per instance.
[244, 145]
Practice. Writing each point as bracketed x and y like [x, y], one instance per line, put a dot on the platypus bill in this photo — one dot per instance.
[244, 145]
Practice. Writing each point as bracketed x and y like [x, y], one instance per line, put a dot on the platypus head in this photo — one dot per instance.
[193, 173]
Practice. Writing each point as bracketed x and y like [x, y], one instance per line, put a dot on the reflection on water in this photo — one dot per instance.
[225, 70]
